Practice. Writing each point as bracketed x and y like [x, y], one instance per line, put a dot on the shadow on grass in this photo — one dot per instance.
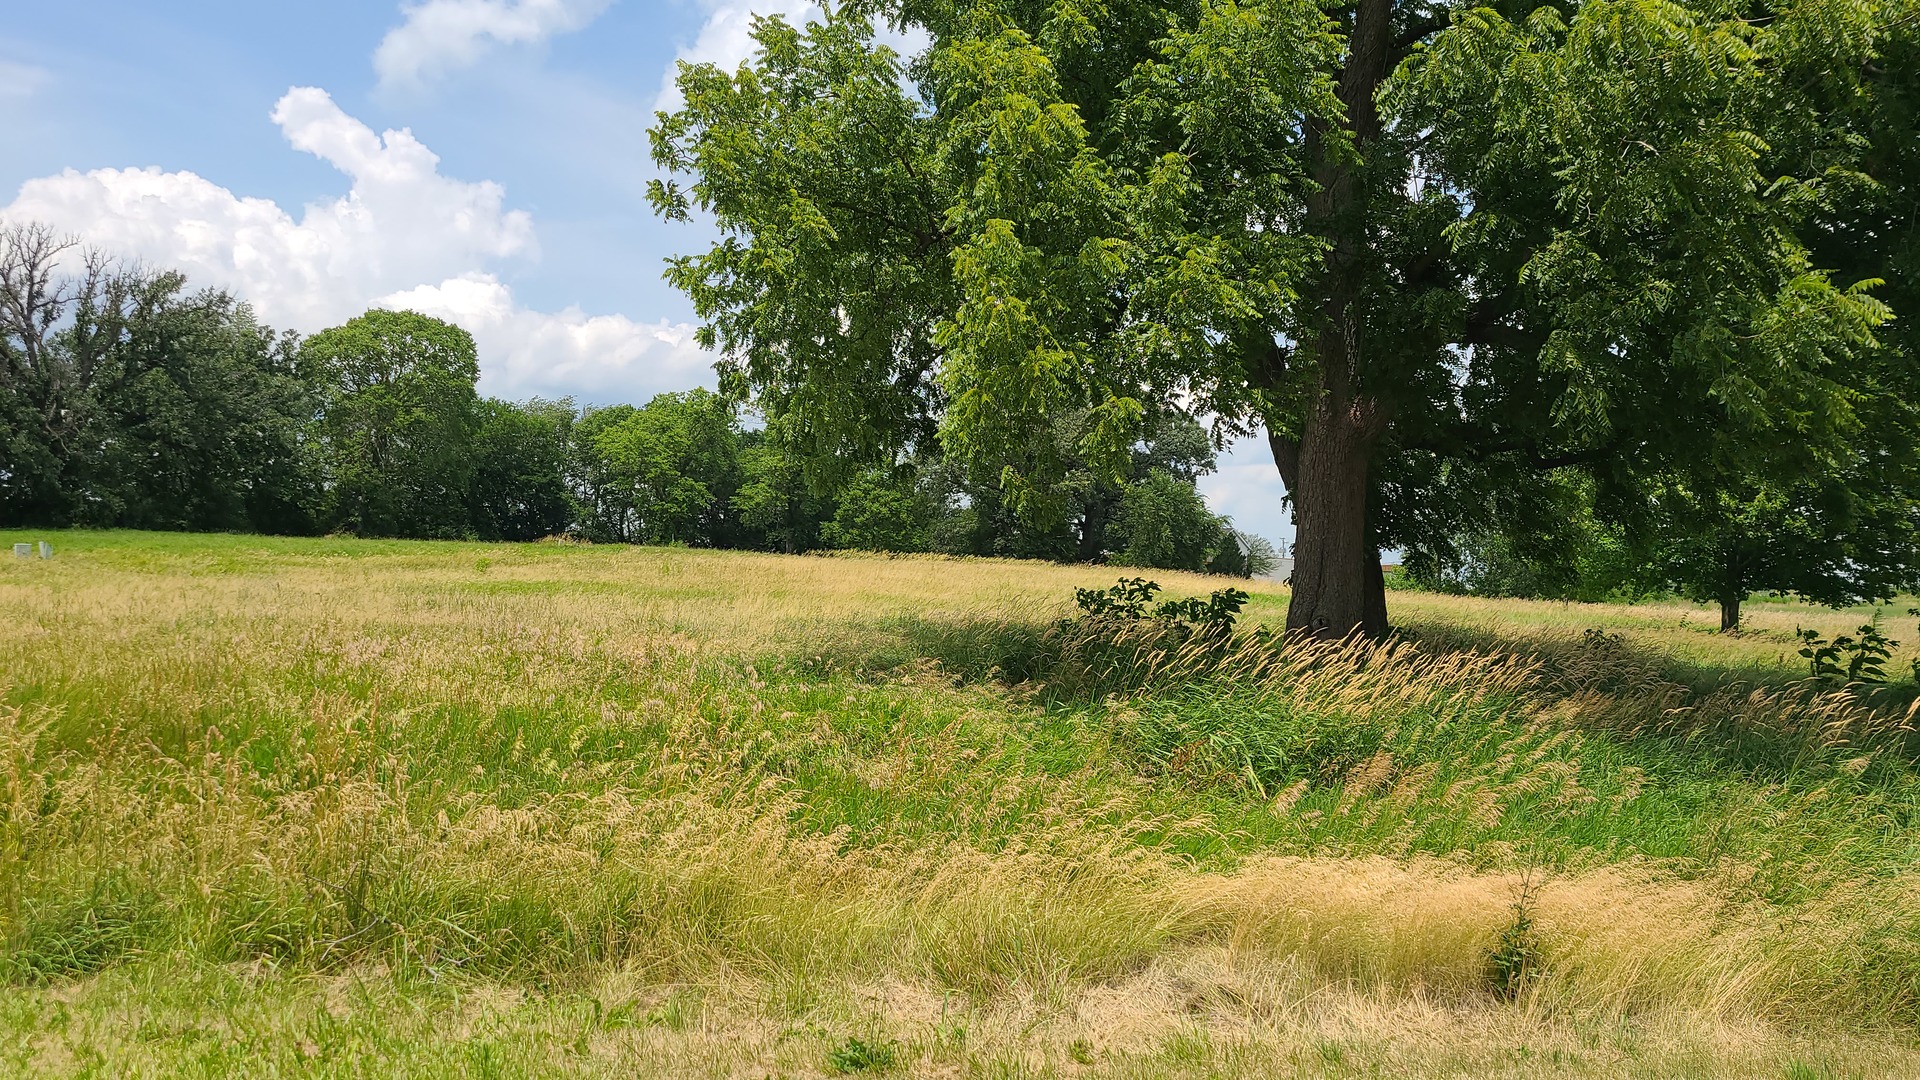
[1698, 677]
[1752, 721]
[1629, 668]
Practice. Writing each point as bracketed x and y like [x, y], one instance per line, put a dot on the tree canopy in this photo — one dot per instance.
[1420, 246]
[126, 399]
[129, 401]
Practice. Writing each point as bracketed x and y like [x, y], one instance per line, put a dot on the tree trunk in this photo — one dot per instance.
[1338, 588]
[1093, 531]
[1733, 585]
[1337, 584]
[1374, 618]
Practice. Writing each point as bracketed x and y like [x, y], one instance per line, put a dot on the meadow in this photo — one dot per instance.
[341, 808]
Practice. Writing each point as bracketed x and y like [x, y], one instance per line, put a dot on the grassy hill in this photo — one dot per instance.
[355, 808]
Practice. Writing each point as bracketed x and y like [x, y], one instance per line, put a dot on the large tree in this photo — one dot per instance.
[1392, 235]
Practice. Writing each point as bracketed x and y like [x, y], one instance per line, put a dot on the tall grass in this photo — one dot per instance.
[564, 770]
[683, 881]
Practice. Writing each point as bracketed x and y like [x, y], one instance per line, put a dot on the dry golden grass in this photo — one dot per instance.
[335, 809]
[1189, 1014]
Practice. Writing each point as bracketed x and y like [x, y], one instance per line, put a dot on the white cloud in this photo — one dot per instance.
[440, 36]
[400, 223]
[402, 235]
[19, 81]
[599, 357]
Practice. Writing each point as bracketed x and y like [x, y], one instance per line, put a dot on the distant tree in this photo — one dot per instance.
[603, 509]
[662, 473]
[882, 510]
[397, 423]
[520, 456]
[1244, 555]
[127, 401]
[216, 432]
[778, 508]
[1164, 522]
[1836, 540]
[1831, 532]
[1532, 535]
[981, 518]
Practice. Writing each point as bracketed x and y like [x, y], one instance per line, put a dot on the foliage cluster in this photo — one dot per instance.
[1131, 599]
[131, 402]
[1857, 659]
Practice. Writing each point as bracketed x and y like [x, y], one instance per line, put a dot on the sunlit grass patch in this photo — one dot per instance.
[722, 798]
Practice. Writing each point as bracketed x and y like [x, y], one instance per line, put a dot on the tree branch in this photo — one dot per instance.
[1420, 30]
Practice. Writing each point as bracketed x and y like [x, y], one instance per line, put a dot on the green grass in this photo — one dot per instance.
[658, 806]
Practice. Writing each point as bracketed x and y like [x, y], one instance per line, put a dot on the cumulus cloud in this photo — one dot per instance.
[726, 38]
[440, 36]
[402, 235]
[400, 223]
[19, 81]
[600, 357]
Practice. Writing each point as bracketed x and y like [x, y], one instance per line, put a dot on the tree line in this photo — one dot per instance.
[1596, 279]
[130, 400]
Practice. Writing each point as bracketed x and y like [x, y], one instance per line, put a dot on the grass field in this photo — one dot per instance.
[350, 808]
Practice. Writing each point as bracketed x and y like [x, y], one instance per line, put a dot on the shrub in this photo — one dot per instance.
[1131, 599]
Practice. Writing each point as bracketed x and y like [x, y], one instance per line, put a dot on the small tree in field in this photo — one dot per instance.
[1833, 540]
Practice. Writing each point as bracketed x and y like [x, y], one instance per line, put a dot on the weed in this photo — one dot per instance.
[1848, 659]
[1603, 642]
[1131, 600]
[1515, 963]
[857, 1055]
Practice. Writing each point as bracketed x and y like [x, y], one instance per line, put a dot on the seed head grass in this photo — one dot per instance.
[334, 807]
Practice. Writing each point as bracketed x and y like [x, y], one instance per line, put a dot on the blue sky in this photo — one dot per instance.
[481, 160]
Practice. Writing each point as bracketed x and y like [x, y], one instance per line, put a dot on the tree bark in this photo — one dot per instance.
[1733, 586]
[1374, 617]
[1338, 588]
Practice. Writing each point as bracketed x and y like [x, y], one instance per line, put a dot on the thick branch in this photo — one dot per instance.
[1418, 31]
[1486, 325]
